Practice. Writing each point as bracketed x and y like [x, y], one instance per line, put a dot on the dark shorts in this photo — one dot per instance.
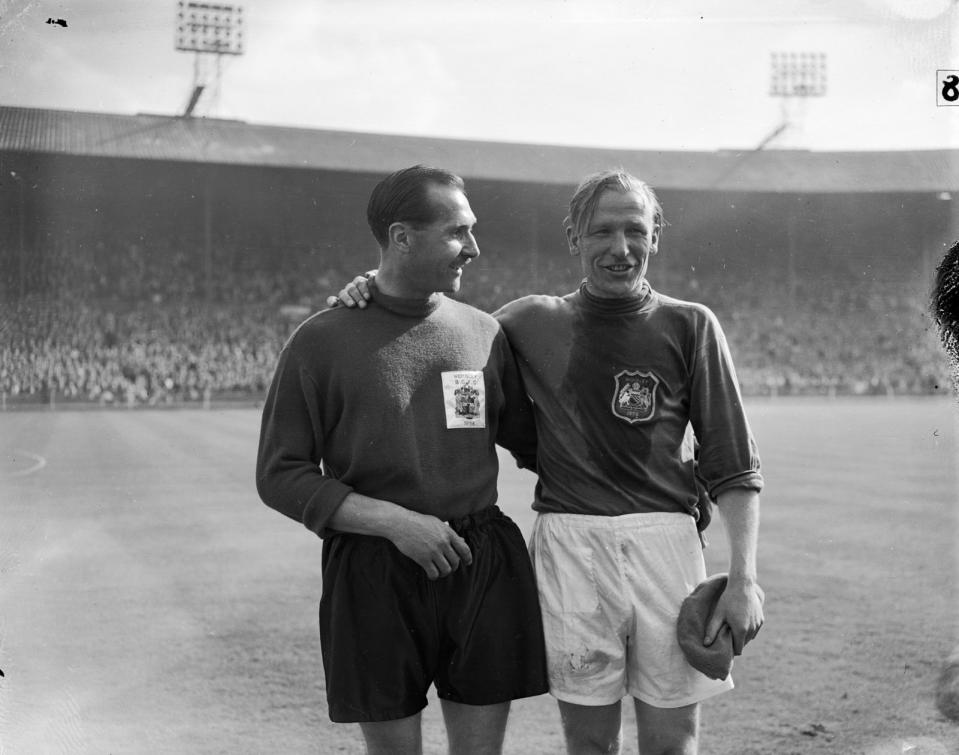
[388, 632]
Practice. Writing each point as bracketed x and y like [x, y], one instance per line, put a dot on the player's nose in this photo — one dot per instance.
[471, 248]
[618, 245]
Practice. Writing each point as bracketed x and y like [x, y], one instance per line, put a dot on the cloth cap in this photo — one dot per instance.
[716, 660]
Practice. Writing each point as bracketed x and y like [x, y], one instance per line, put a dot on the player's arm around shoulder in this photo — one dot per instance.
[516, 426]
[356, 293]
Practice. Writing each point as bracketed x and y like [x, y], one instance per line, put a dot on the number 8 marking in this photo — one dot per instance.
[950, 92]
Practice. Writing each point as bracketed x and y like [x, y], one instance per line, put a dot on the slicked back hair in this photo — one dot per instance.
[587, 194]
[402, 197]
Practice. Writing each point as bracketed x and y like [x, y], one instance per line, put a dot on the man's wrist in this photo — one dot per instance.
[742, 580]
[398, 523]
[364, 515]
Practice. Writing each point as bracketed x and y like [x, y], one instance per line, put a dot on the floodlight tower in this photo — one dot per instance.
[208, 30]
[795, 78]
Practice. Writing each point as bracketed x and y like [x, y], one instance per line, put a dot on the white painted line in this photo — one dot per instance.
[38, 463]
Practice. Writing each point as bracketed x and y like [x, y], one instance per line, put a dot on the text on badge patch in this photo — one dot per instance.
[464, 396]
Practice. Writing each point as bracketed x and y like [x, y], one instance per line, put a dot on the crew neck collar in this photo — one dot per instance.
[403, 306]
[605, 306]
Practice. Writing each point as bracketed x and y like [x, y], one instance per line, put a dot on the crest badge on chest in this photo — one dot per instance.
[464, 397]
[634, 399]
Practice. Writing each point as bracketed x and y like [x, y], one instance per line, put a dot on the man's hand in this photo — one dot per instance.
[353, 294]
[431, 543]
[740, 608]
[428, 541]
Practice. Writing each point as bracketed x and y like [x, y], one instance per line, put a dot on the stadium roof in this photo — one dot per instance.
[204, 140]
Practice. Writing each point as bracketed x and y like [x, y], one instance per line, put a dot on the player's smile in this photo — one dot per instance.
[617, 243]
[459, 264]
[441, 249]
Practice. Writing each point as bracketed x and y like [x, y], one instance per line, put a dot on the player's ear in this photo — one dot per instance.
[572, 239]
[657, 234]
[399, 236]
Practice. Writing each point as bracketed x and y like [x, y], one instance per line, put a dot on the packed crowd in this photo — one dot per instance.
[156, 331]
[153, 354]
[867, 339]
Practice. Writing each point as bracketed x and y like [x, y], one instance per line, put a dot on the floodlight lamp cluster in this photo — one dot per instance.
[798, 74]
[209, 28]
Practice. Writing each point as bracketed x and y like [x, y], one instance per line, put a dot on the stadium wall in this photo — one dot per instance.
[63, 214]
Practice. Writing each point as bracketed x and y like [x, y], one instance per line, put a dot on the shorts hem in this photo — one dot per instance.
[681, 702]
[393, 714]
[585, 700]
[495, 699]
[596, 701]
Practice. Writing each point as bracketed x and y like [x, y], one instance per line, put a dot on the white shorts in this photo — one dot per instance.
[610, 590]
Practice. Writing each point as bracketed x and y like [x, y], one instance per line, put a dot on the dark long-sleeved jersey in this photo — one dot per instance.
[403, 401]
[615, 383]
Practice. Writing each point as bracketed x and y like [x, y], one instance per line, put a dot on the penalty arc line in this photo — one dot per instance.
[39, 463]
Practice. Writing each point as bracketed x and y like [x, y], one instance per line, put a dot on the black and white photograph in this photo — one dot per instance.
[481, 377]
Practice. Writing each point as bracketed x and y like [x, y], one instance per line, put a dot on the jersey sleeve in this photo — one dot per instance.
[289, 477]
[516, 431]
[512, 312]
[728, 456]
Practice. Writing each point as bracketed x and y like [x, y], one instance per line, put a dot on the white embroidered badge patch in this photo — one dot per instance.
[464, 395]
[634, 398]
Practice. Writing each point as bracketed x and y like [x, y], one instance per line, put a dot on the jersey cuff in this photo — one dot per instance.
[323, 504]
[749, 480]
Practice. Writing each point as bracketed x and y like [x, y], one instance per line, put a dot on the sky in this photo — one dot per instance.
[626, 74]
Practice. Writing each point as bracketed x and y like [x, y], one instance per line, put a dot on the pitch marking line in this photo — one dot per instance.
[38, 463]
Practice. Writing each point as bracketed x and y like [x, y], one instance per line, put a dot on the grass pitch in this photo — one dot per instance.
[149, 603]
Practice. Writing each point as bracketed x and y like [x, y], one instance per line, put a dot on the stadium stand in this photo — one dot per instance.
[149, 336]
[149, 261]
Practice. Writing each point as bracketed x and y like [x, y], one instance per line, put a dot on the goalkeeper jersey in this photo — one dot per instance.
[402, 401]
